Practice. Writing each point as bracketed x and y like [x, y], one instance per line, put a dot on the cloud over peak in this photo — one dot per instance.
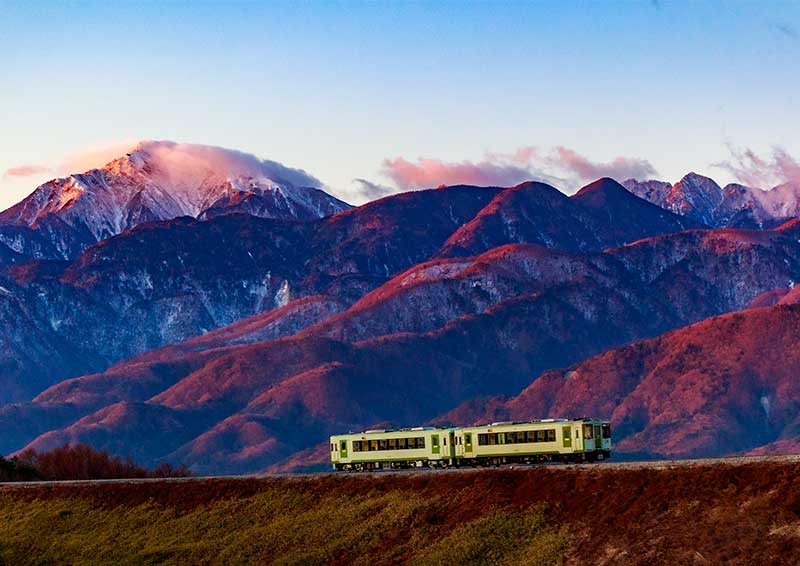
[180, 161]
[754, 170]
[185, 160]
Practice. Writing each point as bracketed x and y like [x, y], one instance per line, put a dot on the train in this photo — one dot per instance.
[545, 440]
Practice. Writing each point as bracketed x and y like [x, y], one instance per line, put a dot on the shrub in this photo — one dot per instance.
[80, 462]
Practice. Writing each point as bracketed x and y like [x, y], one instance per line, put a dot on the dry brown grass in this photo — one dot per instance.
[734, 514]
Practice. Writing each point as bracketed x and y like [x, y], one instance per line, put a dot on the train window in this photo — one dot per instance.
[588, 431]
[521, 437]
[356, 446]
[551, 435]
[606, 430]
[539, 436]
[483, 439]
[392, 444]
[343, 445]
[382, 444]
[420, 442]
[373, 445]
[444, 441]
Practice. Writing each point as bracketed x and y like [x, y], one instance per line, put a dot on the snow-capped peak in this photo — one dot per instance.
[701, 198]
[159, 180]
[182, 164]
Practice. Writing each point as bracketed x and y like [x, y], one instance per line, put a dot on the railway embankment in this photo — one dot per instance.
[738, 512]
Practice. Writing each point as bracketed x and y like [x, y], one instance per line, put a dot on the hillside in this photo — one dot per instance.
[725, 385]
[723, 513]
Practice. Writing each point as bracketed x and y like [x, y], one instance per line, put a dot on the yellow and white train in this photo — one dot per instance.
[547, 440]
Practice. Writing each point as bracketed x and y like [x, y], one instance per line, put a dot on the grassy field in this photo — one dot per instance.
[743, 514]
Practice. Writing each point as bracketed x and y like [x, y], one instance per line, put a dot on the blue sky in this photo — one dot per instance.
[337, 88]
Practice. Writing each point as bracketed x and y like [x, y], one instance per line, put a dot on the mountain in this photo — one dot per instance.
[703, 200]
[234, 342]
[172, 280]
[158, 180]
[442, 333]
[602, 214]
[724, 385]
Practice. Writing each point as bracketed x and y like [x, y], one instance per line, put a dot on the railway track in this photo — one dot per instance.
[609, 464]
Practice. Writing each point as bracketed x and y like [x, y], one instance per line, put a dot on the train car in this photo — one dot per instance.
[405, 448]
[559, 440]
[548, 440]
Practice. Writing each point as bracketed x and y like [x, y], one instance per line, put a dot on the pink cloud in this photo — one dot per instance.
[428, 172]
[559, 166]
[764, 172]
[620, 168]
[78, 162]
[27, 170]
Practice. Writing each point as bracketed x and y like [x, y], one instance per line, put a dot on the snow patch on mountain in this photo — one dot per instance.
[735, 205]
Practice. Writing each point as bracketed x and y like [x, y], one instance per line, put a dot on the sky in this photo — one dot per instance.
[373, 98]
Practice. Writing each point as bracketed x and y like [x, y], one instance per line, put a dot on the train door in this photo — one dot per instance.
[435, 449]
[334, 448]
[451, 448]
[343, 449]
[566, 433]
[459, 444]
[588, 437]
[468, 444]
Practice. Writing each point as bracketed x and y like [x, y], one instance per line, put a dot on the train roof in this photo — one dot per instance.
[497, 423]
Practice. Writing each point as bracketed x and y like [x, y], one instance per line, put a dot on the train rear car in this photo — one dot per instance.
[381, 449]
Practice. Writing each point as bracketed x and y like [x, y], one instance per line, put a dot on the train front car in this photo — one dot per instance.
[596, 439]
[385, 449]
[547, 440]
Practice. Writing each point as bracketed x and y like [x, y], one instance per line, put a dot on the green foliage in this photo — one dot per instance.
[277, 526]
